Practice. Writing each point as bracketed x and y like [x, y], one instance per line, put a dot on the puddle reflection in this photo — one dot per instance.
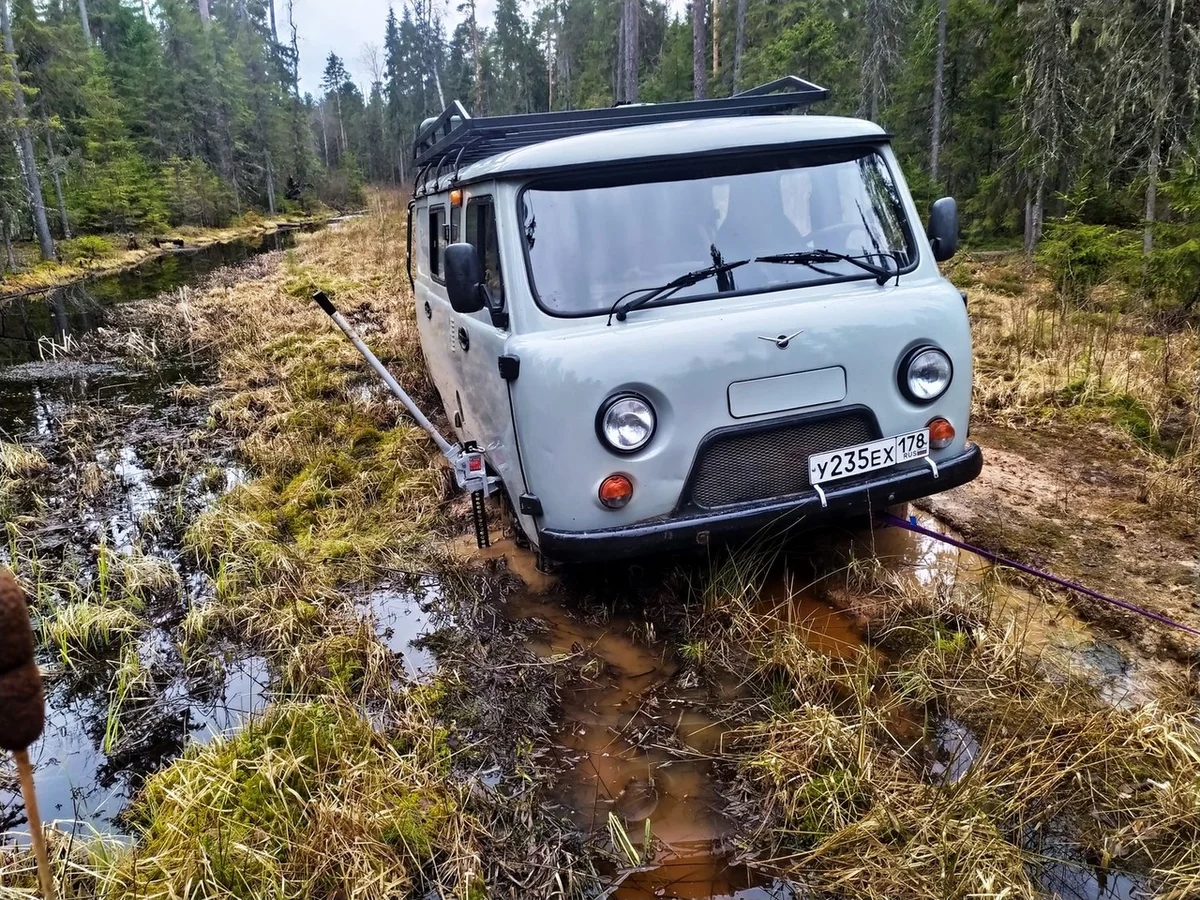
[82, 788]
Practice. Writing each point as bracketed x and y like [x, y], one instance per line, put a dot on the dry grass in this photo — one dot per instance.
[1042, 361]
[850, 801]
[90, 627]
[21, 470]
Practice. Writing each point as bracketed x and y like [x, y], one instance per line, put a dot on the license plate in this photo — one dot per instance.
[880, 454]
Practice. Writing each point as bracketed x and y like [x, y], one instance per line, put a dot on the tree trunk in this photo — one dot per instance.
[619, 73]
[1028, 226]
[478, 63]
[84, 21]
[939, 76]
[739, 44]
[716, 36]
[25, 154]
[699, 69]
[270, 184]
[325, 136]
[631, 42]
[5, 222]
[341, 122]
[205, 15]
[1154, 163]
[274, 27]
[63, 221]
[1035, 217]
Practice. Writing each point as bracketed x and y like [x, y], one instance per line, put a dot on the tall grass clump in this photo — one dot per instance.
[310, 801]
[843, 780]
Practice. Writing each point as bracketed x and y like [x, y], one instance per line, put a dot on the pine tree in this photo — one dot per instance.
[24, 143]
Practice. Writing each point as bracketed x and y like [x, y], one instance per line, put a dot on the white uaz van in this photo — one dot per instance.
[664, 323]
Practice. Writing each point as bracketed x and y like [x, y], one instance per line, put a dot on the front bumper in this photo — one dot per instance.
[682, 532]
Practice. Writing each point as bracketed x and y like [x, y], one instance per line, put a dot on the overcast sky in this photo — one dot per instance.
[345, 27]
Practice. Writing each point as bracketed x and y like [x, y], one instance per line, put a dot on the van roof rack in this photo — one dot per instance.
[456, 139]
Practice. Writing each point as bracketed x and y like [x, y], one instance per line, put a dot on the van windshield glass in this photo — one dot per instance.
[590, 245]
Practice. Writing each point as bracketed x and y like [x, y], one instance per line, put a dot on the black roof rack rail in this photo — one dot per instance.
[457, 138]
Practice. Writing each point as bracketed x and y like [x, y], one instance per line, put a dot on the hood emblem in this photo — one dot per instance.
[782, 340]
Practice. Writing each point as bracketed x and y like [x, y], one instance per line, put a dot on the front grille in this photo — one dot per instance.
[740, 466]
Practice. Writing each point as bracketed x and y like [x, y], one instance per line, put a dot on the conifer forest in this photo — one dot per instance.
[1069, 127]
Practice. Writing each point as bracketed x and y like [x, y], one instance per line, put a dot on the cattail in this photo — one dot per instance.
[22, 707]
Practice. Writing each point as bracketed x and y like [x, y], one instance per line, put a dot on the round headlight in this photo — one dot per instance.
[927, 374]
[627, 424]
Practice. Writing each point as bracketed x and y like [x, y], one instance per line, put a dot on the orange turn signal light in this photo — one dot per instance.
[616, 491]
[456, 197]
[941, 433]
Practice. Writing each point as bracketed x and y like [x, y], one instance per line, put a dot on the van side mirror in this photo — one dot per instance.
[943, 228]
[464, 278]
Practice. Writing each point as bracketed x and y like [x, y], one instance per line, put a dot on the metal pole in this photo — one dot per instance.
[326, 304]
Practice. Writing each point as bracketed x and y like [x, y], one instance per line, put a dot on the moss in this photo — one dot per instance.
[305, 803]
[1133, 417]
[304, 281]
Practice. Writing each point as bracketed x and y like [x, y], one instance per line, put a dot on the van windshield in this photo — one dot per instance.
[592, 242]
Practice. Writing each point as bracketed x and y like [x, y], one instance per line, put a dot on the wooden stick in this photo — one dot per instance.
[25, 771]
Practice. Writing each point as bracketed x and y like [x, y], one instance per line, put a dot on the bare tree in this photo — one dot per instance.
[24, 143]
[84, 21]
[699, 69]
[56, 165]
[427, 22]
[632, 47]
[1049, 106]
[939, 78]
[739, 44]
[1160, 106]
[883, 20]
[468, 7]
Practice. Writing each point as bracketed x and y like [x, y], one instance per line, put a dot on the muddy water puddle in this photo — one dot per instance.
[403, 616]
[125, 479]
[34, 326]
[84, 784]
[639, 742]
[1065, 645]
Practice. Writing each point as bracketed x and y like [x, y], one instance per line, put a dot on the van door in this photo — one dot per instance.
[435, 318]
[481, 341]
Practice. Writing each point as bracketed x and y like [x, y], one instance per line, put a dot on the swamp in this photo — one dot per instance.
[278, 667]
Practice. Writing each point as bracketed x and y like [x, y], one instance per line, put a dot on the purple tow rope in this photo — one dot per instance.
[911, 525]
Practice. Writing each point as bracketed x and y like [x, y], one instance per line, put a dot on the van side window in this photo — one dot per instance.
[481, 234]
[421, 242]
[437, 216]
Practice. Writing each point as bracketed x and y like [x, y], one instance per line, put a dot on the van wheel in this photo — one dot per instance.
[546, 565]
[513, 522]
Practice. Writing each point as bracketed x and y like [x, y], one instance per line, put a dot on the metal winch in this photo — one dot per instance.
[466, 460]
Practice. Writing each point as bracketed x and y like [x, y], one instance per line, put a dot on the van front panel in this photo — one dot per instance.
[685, 360]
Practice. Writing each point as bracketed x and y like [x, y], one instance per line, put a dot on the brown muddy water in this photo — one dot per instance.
[90, 412]
[639, 737]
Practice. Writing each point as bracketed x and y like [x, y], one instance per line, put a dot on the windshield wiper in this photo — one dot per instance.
[627, 302]
[811, 257]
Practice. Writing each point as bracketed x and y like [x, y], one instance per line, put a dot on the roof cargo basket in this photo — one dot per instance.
[455, 139]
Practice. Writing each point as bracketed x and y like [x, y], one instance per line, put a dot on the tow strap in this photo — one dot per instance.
[910, 524]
